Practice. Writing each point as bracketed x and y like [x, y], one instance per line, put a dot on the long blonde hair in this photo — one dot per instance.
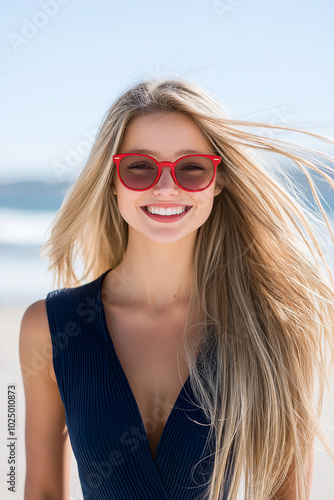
[261, 287]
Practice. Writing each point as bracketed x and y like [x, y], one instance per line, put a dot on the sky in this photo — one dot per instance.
[64, 62]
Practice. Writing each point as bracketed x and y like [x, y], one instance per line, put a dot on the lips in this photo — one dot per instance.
[166, 218]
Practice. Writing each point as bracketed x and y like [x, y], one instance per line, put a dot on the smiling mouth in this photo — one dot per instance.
[168, 211]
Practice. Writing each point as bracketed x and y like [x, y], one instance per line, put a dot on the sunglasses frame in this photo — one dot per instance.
[171, 164]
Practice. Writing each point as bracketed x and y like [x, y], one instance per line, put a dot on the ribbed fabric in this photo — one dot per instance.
[105, 427]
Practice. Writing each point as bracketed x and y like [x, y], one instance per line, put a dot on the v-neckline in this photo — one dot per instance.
[111, 344]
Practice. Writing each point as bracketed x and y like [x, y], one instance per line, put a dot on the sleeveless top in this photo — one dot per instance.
[105, 427]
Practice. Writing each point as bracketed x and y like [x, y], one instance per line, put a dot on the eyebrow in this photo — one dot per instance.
[180, 152]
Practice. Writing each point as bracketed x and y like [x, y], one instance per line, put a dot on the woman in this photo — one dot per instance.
[185, 366]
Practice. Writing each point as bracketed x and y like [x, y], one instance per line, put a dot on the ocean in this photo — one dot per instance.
[26, 211]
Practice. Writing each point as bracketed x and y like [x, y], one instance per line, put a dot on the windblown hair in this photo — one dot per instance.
[261, 287]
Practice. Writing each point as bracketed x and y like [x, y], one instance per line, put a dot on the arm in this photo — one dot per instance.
[48, 449]
[288, 490]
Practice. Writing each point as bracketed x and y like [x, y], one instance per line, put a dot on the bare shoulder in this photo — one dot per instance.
[36, 314]
[48, 450]
[35, 338]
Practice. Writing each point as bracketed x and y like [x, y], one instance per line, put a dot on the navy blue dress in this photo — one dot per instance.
[105, 427]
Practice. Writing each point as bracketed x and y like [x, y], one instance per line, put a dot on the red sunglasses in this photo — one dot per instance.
[141, 172]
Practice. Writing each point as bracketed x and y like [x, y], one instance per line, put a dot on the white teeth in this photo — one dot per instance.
[168, 211]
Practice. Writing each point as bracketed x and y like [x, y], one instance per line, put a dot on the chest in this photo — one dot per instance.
[148, 347]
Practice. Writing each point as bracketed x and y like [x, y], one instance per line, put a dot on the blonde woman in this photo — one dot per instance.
[183, 363]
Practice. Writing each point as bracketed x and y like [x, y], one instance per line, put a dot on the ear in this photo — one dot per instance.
[112, 185]
[112, 188]
[218, 188]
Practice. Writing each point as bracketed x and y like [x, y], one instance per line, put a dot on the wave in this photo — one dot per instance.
[24, 227]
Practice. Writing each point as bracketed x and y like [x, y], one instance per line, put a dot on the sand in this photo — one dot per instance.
[10, 371]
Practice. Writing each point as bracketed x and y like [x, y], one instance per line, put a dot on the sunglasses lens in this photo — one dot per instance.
[138, 172]
[192, 173]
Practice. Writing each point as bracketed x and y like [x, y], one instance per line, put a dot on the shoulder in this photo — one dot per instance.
[34, 323]
[35, 338]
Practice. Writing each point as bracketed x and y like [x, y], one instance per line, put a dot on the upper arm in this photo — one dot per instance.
[288, 490]
[48, 450]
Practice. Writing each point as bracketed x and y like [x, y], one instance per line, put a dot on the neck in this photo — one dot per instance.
[157, 276]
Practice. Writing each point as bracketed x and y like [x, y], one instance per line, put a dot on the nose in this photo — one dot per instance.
[166, 183]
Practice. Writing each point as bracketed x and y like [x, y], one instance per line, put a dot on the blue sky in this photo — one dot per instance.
[63, 62]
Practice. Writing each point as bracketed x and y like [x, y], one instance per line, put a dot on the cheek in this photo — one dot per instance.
[203, 209]
[127, 205]
[205, 200]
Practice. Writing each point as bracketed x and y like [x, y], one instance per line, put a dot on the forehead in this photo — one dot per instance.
[162, 131]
